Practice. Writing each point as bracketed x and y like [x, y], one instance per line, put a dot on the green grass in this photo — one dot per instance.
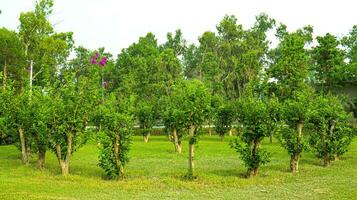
[156, 172]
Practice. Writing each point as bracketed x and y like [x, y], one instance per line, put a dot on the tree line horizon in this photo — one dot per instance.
[232, 79]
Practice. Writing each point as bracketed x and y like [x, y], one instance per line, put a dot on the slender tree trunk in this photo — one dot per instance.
[24, 156]
[294, 160]
[271, 138]
[41, 158]
[191, 148]
[178, 148]
[118, 164]
[146, 138]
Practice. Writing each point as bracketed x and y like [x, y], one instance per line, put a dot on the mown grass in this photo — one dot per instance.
[156, 172]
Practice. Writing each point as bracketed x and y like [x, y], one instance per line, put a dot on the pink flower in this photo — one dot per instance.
[103, 61]
[93, 61]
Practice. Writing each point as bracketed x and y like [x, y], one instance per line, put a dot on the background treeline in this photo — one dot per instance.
[232, 80]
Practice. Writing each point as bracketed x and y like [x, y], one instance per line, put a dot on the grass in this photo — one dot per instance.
[156, 172]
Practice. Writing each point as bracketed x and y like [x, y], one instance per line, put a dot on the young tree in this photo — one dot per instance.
[224, 119]
[254, 116]
[73, 101]
[146, 115]
[296, 112]
[115, 117]
[331, 135]
[193, 100]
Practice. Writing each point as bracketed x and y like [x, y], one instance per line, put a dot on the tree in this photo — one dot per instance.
[48, 49]
[290, 67]
[332, 134]
[115, 117]
[193, 100]
[73, 101]
[224, 119]
[254, 116]
[146, 115]
[296, 113]
[12, 59]
[327, 58]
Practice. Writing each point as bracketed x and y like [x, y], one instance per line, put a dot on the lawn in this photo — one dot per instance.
[156, 172]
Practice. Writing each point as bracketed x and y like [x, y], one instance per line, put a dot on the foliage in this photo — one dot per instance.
[115, 119]
[224, 119]
[254, 117]
[332, 134]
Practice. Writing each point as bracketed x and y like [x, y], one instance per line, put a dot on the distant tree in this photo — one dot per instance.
[224, 119]
[327, 59]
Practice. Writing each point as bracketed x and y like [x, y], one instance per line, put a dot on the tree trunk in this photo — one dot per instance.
[41, 158]
[253, 171]
[191, 148]
[230, 132]
[209, 128]
[24, 156]
[146, 138]
[64, 162]
[271, 138]
[119, 166]
[294, 163]
[178, 148]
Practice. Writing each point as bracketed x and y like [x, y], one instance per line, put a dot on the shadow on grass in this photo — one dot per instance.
[229, 173]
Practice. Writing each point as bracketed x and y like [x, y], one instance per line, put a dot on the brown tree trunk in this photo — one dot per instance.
[116, 155]
[24, 156]
[64, 162]
[178, 148]
[41, 158]
[191, 148]
[294, 163]
[254, 170]
[146, 138]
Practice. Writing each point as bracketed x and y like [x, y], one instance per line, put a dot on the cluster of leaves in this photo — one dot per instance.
[224, 118]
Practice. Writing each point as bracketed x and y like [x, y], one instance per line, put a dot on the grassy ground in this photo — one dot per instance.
[156, 172]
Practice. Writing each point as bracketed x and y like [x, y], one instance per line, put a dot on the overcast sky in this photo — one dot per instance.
[115, 24]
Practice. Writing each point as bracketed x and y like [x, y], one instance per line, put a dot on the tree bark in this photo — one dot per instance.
[294, 160]
[271, 138]
[119, 166]
[294, 163]
[24, 156]
[191, 148]
[253, 171]
[64, 162]
[230, 132]
[178, 148]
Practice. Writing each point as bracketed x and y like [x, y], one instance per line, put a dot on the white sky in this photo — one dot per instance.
[115, 24]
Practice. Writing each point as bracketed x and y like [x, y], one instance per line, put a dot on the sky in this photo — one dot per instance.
[115, 24]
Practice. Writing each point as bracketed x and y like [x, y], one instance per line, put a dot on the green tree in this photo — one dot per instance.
[115, 117]
[327, 59]
[193, 100]
[73, 101]
[224, 118]
[254, 116]
[332, 134]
